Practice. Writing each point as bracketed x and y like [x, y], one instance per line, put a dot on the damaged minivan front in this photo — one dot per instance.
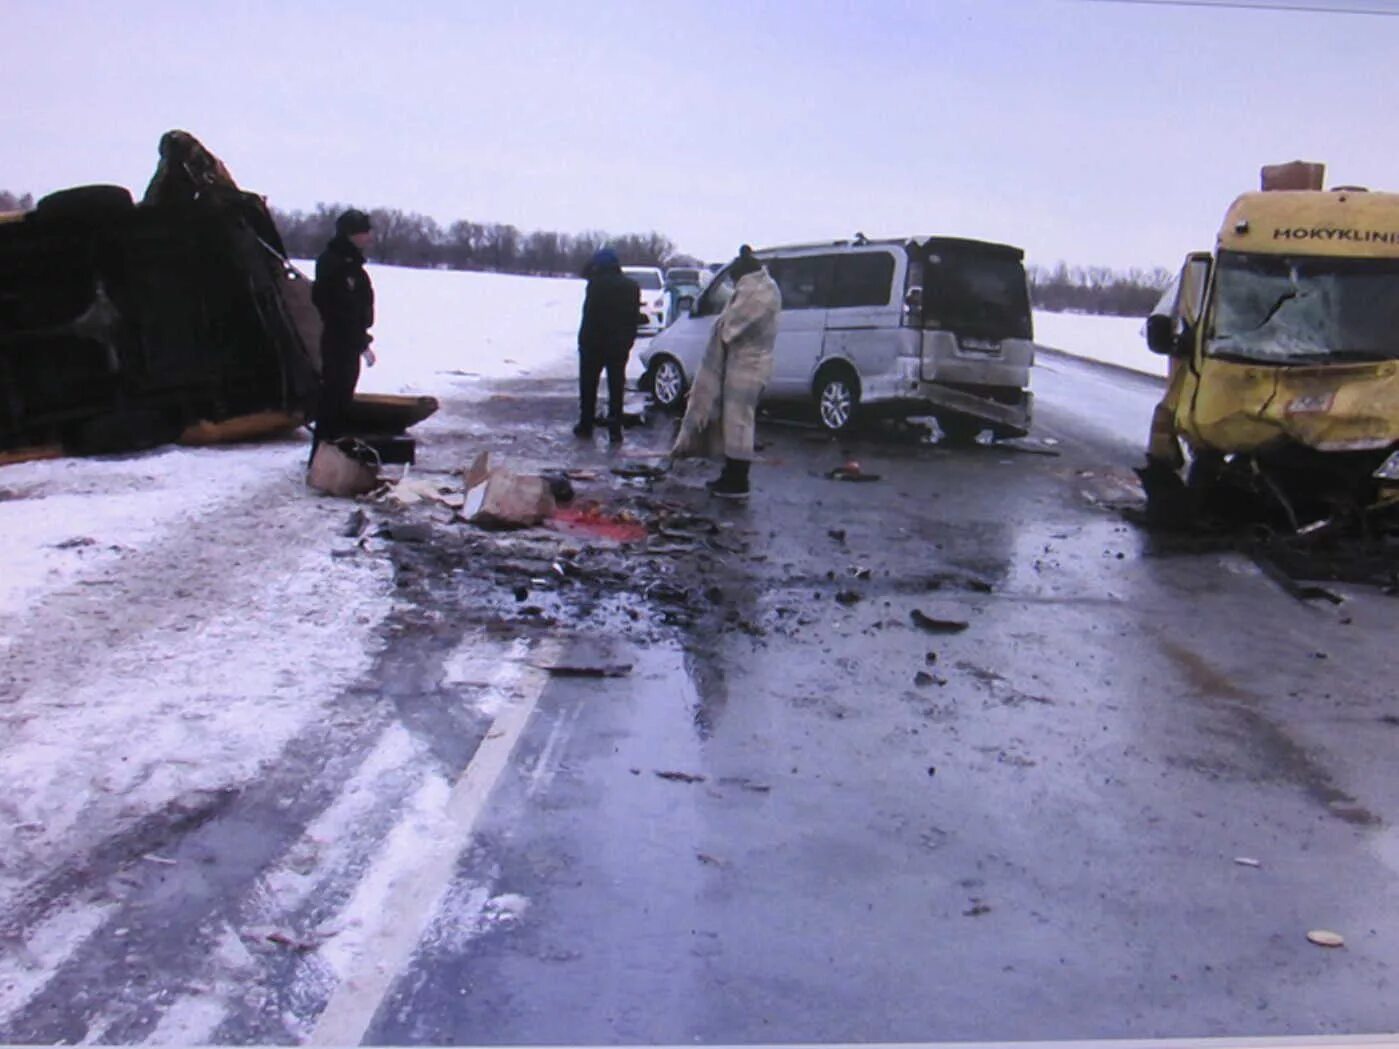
[1284, 378]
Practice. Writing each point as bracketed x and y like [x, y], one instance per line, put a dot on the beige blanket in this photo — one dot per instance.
[721, 416]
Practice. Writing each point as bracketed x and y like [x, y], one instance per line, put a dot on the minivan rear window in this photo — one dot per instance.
[982, 295]
[862, 279]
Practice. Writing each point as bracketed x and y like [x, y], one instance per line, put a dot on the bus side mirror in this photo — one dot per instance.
[1160, 334]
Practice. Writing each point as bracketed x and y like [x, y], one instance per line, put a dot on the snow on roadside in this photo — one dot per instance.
[185, 661]
[1108, 340]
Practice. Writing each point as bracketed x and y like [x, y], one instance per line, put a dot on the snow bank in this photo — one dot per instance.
[1110, 340]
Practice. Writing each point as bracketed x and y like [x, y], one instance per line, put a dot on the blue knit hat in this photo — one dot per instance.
[606, 259]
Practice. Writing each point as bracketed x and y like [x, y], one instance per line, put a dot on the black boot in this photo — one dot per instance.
[733, 482]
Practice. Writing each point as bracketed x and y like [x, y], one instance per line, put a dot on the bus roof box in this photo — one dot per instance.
[1299, 174]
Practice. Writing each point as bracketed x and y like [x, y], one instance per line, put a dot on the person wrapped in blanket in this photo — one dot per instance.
[721, 416]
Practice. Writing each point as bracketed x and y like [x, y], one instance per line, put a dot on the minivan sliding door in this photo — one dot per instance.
[864, 304]
[804, 281]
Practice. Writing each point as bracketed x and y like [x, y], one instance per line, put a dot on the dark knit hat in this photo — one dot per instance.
[744, 263]
[352, 222]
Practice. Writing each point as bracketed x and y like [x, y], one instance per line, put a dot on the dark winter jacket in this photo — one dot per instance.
[611, 310]
[344, 295]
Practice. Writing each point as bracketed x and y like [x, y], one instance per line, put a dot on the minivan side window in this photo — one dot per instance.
[803, 281]
[862, 279]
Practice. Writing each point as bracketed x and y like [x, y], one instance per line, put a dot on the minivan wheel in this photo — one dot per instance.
[837, 398]
[668, 383]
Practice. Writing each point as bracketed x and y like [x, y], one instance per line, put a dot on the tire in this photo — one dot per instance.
[668, 383]
[960, 429]
[837, 399]
[84, 204]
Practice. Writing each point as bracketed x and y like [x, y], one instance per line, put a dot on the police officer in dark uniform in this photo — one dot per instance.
[611, 311]
[345, 298]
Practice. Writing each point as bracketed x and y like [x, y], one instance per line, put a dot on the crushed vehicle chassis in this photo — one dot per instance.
[125, 325]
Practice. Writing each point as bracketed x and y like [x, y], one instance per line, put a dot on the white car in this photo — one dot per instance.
[654, 302]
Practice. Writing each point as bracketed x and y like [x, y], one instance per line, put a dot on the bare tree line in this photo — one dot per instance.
[411, 239]
[404, 238]
[1096, 289]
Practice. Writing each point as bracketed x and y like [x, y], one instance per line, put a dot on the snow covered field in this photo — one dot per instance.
[435, 330]
[1111, 340]
[169, 621]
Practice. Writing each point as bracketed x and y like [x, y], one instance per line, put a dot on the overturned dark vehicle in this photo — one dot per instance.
[124, 326]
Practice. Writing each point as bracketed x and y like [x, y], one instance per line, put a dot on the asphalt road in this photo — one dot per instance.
[865, 831]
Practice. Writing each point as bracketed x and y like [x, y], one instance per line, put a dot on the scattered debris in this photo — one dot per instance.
[977, 909]
[75, 543]
[851, 470]
[1326, 938]
[336, 473]
[355, 525]
[1247, 861]
[838, 534]
[585, 668]
[407, 531]
[282, 938]
[638, 471]
[680, 777]
[1029, 446]
[410, 491]
[849, 597]
[151, 857]
[923, 679]
[935, 625]
[560, 487]
[744, 783]
[499, 498]
[710, 861]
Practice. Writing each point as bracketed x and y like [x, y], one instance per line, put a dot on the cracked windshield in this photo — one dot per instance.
[790, 523]
[1302, 310]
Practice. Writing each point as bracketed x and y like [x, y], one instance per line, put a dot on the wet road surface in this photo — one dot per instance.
[799, 816]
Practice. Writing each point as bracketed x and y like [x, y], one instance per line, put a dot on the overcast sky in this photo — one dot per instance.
[1112, 133]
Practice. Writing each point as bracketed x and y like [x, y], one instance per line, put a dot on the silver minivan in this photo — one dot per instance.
[925, 326]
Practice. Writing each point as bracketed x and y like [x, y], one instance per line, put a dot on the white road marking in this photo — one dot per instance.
[544, 766]
[403, 914]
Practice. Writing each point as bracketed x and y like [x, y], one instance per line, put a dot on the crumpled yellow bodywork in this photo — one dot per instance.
[1234, 407]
